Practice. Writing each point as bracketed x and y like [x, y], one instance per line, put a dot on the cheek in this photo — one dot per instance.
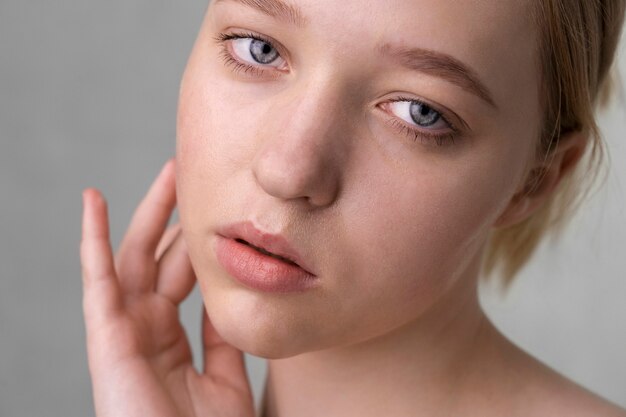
[200, 122]
[210, 141]
[218, 126]
[411, 238]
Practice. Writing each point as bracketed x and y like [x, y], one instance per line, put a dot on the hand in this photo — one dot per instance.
[139, 357]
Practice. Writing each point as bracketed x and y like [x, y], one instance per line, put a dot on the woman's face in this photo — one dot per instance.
[384, 142]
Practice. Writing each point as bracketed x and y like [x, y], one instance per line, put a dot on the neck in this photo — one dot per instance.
[421, 367]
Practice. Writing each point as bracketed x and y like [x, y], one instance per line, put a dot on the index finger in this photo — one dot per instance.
[100, 286]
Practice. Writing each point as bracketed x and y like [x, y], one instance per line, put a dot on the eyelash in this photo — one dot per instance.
[424, 136]
[414, 134]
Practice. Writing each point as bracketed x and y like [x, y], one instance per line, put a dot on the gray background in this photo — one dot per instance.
[88, 94]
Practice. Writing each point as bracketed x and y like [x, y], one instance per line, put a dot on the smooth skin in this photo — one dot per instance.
[394, 228]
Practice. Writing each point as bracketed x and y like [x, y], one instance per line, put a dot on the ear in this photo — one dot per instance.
[543, 178]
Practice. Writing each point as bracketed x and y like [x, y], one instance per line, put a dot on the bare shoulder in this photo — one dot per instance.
[564, 397]
[549, 393]
[535, 389]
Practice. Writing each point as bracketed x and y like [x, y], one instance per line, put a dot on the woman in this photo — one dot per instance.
[344, 175]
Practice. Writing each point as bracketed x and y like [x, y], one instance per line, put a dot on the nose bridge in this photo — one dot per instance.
[314, 110]
[301, 155]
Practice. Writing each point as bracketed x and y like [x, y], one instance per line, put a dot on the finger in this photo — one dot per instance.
[176, 276]
[222, 361]
[101, 292]
[166, 241]
[135, 261]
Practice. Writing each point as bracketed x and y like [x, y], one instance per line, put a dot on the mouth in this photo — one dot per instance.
[275, 245]
[257, 268]
[263, 251]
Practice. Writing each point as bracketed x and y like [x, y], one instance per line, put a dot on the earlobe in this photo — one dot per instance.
[543, 179]
[516, 211]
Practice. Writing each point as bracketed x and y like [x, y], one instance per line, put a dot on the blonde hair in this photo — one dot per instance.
[576, 48]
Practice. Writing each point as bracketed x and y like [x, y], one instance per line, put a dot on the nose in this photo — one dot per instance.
[303, 148]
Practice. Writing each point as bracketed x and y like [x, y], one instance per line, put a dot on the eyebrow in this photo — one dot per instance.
[438, 64]
[276, 9]
[426, 61]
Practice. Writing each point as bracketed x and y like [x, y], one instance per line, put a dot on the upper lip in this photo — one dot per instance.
[273, 243]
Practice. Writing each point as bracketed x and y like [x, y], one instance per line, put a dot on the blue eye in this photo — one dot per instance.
[251, 52]
[421, 114]
[422, 121]
[260, 51]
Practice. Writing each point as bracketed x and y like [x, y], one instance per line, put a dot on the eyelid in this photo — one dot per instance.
[425, 136]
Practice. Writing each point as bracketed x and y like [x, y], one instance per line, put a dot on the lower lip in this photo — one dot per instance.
[259, 271]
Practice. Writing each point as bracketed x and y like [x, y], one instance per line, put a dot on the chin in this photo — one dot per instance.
[267, 326]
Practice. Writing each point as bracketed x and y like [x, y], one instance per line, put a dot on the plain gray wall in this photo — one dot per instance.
[88, 94]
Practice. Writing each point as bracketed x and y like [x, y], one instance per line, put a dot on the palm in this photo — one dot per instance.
[139, 356]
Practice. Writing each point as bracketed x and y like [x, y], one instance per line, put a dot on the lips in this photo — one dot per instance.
[274, 245]
[267, 253]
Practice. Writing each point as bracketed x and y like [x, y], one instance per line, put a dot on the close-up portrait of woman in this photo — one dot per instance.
[352, 185]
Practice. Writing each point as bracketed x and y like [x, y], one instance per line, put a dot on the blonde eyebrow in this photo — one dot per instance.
[440, 65]
[276, 9]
